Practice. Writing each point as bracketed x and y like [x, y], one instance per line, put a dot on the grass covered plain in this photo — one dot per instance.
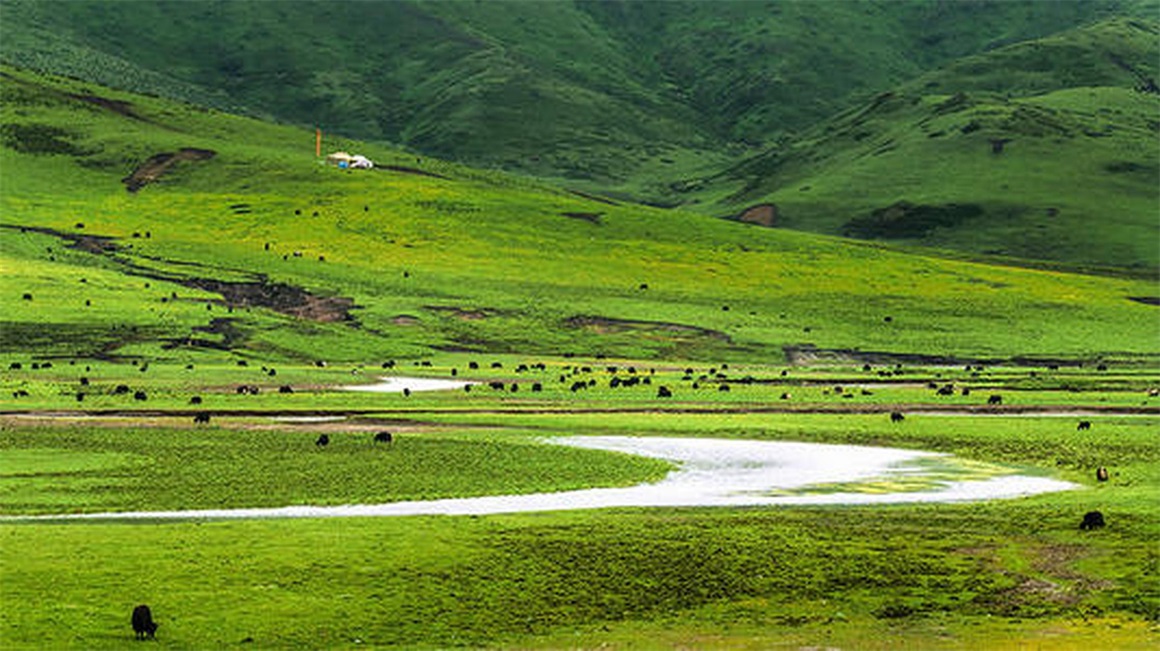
[431, 267]
[988, 575]
[79, 468]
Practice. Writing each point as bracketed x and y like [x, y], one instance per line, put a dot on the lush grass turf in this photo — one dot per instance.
[480, 267]
[927, 576]
[923, 575]
[83, 468]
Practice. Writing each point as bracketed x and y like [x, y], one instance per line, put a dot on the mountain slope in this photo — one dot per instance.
[248, 247]
[1051, 153]
[616, 95]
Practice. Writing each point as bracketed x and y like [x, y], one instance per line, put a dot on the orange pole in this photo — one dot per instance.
[317, 143]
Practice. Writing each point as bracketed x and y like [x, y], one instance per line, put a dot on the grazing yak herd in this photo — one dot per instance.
[574, 378]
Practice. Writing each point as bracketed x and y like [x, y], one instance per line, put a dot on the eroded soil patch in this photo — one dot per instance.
[462, 314]
[280, 297]
[258, 292]
[158, 164]
[95, 244]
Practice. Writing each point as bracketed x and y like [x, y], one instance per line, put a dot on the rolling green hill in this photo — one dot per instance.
[1045, 149]
[620, 93]
[247, 245]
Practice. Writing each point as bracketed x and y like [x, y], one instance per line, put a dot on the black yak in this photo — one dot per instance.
[1101, 474]
[323, 440]
[143, 624]
[1083, 424]
[1092, 520]
[384, 437]
[896, 417]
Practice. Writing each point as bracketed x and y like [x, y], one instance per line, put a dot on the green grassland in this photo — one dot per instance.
[439, 270]
[992, 575]
[464, 261]
[1072, 179]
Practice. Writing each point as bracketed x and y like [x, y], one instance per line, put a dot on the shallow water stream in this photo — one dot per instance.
[713, 472]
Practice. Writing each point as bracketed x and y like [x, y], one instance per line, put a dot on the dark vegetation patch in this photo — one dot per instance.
[807, 354]
[120, 107]
[158, 164]
[592, 217]
[448, 207]
[41, 139]
[410, 170]
[594, 197]
[1131, 167]
[605, 325]
[907, 220]
[231, 336]
[1146, 300]
[93, 341]
[95, 244]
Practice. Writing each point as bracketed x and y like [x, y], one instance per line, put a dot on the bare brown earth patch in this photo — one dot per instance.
[460, 313]
[405, 320]
[280, 297]
[763, 214]
[258, 292]
[159, 164]
[95, 244]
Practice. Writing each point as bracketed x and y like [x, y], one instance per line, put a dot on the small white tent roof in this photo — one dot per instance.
[358, 161]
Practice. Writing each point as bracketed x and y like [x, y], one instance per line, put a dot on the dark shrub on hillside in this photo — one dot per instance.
[39, 139]
[904, 219]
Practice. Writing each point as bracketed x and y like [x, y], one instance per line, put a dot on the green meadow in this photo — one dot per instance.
[257, 285]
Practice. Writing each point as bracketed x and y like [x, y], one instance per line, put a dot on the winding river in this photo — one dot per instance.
[709, 472]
